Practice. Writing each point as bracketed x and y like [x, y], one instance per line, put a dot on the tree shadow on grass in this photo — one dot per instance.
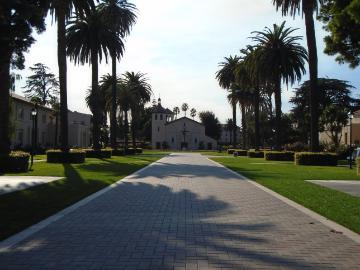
[148, 226]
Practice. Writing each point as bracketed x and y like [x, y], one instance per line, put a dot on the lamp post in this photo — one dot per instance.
[350, 140]
[34, 132]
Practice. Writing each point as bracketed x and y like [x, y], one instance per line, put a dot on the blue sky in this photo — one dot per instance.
[179, 44]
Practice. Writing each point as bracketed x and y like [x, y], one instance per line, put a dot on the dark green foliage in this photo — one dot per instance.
[118, 152]
[240, 153]
[211, 123]
[230, 151]
[17, 161]
[102, 153]
[342, 22]
[358, 166]
[255, 154]
[57, 156]
[316, 159]
[279, 156]
[130, 151]
[139, 150]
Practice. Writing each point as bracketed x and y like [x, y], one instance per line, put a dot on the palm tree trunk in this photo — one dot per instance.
[62, 79]
[95, 90]
[5, 101]
[278, 114]
[256, 109]
[313, 70]
[243, 125]
[234, 122]
[113, 105]
[56, 129]
[126, 129]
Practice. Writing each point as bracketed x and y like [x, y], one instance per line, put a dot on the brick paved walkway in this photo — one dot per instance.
[184, 213]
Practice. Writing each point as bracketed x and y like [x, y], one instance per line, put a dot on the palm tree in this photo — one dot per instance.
[184, 108]
[61, 11]
[141, 91]
[226, 79]
[120, 16]
[193, 113]
[229, 127]
[125, 99]
[89, 39]
[308, 7]
[279, 57]
[176, 111]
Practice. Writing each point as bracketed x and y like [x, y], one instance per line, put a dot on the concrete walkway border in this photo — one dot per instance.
[335, 227]
[18, 237]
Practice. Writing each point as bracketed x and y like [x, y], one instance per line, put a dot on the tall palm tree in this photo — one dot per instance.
[184, 108]
[61, 11]
[89, 39]
[193, 113]
[176, 111]
[279, 57]
[308, 8]
[120, 16]
[125, 99]
[226, 79]
[141, 91]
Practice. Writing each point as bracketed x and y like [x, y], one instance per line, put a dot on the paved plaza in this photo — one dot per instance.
[349, 187]
[184, 212]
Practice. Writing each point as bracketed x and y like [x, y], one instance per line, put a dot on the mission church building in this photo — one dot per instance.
[177, 134]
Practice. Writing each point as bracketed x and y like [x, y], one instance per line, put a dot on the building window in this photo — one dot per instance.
[158, 129]
[21, 136]
[346, 138]
[196, 140]
[161, 117]
[21, 114]
[155, 116]
[172, 140]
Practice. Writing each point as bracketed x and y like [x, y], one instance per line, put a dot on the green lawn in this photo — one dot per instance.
[288, 180]
[213, 153]
[21, 209]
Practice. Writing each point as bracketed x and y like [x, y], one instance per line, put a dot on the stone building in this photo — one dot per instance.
[226, 135]
[177, 134]
[22, 125]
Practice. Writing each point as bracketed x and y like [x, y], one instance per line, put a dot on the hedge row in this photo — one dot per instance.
[316, 159]
[17, 161]
[255, 154]
[129, 151]
[358, 165]
[240, 153]
[279, 156]
[230, 151]
[102, 153]
[57, 156]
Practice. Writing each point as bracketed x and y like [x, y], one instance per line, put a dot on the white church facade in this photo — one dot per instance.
[177, 134]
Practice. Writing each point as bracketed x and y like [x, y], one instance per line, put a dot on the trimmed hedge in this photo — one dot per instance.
[230, 151]
[358, 166]
[102, 153]
[316, 159]
[17, 161]
[130, 151]
[255, 154]
[118, 152]
[57, 156]
[139, 150]
[240, 153]
[279, 156]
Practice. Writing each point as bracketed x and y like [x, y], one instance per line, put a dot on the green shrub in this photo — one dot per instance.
[102, 153]
[230, 151]
[255, 154]
[118, 152]
[139, 150]
[316, 159]
[130, 151]
[73, 156]
[358, 166]
[279, 156]
[17, 161]
[240, 153]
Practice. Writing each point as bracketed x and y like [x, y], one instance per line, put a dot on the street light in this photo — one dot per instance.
[34, 132]
[350, 140]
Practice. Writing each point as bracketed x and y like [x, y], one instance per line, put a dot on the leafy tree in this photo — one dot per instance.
[17, 21]
[226, 78]
[331, 91]
[279, 57]
[184, 108]
[211, 123]
[193, 113]
[332, 121]
[307, 8]
[89, 39]
[42, 85]
[176, 111]
[120, 16]
[61, 11]
[342, 21]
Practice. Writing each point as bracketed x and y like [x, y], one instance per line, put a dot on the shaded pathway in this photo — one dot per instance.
[184, 212]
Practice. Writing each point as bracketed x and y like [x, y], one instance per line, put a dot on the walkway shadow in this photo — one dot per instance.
[151, 227]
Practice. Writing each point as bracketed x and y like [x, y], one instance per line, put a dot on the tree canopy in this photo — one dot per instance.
[211, 123]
